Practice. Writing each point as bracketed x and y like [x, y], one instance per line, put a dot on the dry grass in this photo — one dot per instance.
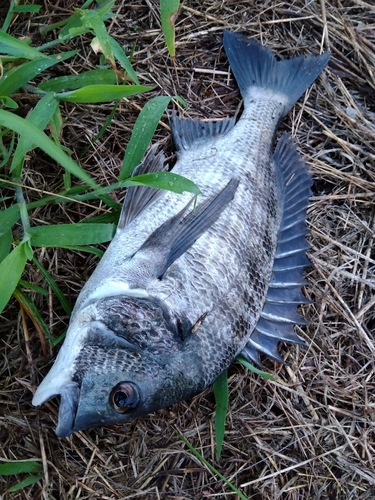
[308, 435]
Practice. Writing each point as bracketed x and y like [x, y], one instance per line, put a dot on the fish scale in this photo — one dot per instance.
[182, 291]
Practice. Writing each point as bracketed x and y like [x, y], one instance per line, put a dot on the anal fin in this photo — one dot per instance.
[279, 314]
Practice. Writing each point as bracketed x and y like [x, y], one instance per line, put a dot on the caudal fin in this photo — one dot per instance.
[254, 65]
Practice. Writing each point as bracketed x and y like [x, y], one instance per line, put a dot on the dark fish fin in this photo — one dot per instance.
[254, 65]
[186, 133]
[178, 234]
[137, 198]
[280, 313]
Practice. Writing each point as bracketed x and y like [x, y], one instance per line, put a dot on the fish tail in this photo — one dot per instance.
[254, 65]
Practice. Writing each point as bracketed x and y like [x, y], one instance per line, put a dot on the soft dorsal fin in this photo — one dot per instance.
[173, 238]
[137, 198]
[187, 133]
[284, 294]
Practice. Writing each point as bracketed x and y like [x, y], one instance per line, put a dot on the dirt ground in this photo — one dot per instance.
[309, 434]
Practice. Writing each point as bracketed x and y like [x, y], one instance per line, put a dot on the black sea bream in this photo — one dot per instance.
[183, 290]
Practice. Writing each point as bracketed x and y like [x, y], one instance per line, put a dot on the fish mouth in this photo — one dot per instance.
[69, 396]
[69, 393]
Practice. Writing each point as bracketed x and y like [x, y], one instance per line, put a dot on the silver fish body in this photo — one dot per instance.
[180, 292]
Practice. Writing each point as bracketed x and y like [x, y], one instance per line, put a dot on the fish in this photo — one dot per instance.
[186, 287]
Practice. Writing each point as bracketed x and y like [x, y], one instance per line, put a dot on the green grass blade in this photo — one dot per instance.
[27, 8]
[19, 467]
[212, 468]
[5, 244]
[56, 289]
[59, 339]
[102, 93]
[25, 482]
[102, 130]
[13, 47]
[87, 249]
[39, 116]
[143, 131]
[8, 218]
[252, 368]
[43, 30]
[65, 196]
[166, 180]
[21, 126]
[55, 125]
[8, 102]
[70, 82]
[19, 76]
[71, 234]
[221, 398]
[93, 19]
[8, 17]
[70, 23]
[6, 152]
[33, 312]
[159, 180]
[31, 286]
[122, 58]
[11, 269]
[168, 14]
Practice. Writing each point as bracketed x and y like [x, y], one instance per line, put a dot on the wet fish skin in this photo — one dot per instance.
[166, 275]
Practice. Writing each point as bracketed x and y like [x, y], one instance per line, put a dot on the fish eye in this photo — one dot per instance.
[124, 397]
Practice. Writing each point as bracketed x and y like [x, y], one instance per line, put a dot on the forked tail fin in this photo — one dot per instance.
[254, 65]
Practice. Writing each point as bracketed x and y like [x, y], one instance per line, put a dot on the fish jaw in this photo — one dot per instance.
[62, 371]
[60, 379]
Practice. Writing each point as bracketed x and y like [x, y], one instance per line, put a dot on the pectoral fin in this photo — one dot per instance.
[173, 238]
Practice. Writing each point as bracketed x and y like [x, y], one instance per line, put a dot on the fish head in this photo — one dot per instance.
[110, 380]
[97, 396]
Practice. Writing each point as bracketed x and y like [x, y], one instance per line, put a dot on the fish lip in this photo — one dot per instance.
[81, 423]
[69, 396]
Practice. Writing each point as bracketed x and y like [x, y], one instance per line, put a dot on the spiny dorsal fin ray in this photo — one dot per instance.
[139, 197]
[187, 133]
[280, 313]
[178, 234]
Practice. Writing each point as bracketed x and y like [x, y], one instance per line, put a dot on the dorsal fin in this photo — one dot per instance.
[137, 198]
[187, 133]
[173, 238]
[280, 313]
